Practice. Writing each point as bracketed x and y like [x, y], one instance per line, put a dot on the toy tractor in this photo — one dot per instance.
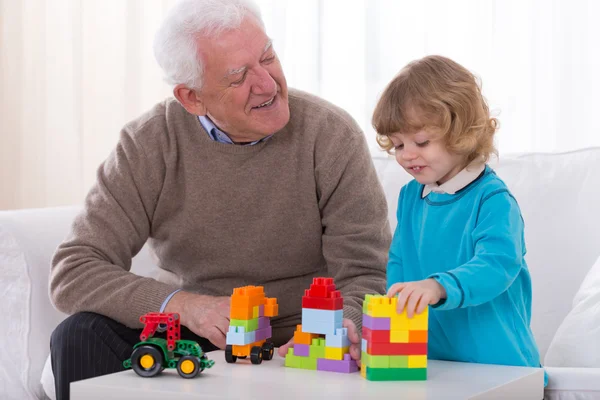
[152, 355]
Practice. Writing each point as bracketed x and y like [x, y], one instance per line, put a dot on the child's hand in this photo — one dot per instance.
[417, 295]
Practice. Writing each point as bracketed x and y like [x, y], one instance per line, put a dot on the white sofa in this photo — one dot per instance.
[558, 194]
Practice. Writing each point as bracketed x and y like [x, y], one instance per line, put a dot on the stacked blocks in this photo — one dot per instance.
[394, 347]
[320, 342]
[250, 323]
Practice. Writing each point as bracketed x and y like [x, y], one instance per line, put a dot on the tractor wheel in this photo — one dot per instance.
[147, 361]
[267, 351]
[229, 357]
[188, 367]
[256, 355]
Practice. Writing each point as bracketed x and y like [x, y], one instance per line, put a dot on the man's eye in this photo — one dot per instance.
[239, 81]
[423, 144]
[268, 60]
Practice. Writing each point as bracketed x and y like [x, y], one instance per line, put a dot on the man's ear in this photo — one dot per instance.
[189, 99]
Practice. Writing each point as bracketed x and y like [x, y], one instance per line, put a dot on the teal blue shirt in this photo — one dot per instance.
[472, 243]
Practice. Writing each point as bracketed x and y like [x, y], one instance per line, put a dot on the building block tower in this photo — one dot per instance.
[320, 342]
[394, 347]
[250, 325]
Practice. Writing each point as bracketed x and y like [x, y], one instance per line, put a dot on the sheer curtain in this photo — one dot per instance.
[73, 72]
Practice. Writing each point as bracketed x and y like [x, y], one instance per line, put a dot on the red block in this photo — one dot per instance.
[321, 287]
[335, 302]
[397, 349]
[375, 336]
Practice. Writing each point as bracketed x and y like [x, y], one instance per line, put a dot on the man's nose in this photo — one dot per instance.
[264, 83]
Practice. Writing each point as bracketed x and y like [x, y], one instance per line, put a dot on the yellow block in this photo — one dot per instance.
[417, 361]
[419, 322]
[254, 312]
[398, 336]
[399, 322]
[382, 306]
[335, 353]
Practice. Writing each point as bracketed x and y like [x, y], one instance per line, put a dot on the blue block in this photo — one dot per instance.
[363, 345]
[237, 335]
[339, 339]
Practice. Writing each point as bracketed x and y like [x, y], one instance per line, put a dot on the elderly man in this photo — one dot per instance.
[238, 181]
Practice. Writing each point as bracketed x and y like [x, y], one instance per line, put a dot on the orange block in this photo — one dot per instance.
[241, 351]
[240, 313]
[417, 336]
[248, 296]
[303, 337]
[271, 308]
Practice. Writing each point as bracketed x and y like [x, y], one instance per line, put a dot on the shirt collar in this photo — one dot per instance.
[218, 135]
[458, 182]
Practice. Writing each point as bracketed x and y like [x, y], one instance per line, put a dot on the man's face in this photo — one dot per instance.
[244, 93]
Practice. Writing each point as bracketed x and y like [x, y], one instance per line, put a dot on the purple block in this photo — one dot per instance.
[263, 322]
[302, 350]
[347, 365]
[376, 323]
[263, 334]
[261, 311]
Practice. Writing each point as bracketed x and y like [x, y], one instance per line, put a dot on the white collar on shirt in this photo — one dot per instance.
[459, 181]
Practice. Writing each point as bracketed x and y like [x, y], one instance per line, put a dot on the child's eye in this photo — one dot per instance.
[399, 147]
[423, 144]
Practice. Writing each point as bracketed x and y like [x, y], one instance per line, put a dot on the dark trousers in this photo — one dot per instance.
[87, 345]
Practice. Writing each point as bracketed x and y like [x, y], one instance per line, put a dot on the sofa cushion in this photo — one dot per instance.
[577, 340]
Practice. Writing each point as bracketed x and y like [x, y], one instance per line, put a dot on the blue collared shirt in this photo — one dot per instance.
[219, 136]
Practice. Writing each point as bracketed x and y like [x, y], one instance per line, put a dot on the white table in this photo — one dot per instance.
[271, 380]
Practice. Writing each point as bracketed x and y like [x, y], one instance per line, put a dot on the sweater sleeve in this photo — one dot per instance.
[498, 255]
[356, 232]
[395, 272]
[90, 269]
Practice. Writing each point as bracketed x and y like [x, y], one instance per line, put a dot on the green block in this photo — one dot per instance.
[396, 374]
[398, 361]
[293, 361]
[317, 350]
[308, 363]
[248, 324]
[365, 359]
[380, 361]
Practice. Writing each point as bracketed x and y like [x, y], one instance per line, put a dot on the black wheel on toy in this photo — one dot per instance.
[256, 355]
[229, 357]
[188, 367]
[268, 349]
[147, 361]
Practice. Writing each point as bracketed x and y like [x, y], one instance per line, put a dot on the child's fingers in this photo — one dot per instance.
[424, 302]
[413, 301]
[395, 288]
[403, 298]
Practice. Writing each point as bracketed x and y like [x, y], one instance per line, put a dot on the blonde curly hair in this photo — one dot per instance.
[442, 97]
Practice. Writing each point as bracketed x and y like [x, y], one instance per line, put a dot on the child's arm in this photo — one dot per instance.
[498, 255]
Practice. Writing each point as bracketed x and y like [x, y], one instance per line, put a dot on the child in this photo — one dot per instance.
[459, 243]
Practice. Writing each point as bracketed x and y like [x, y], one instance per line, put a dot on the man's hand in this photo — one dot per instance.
[352, 336]
[417, 295]
[206, 316]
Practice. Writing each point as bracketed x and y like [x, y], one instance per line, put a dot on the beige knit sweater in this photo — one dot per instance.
[305, 203]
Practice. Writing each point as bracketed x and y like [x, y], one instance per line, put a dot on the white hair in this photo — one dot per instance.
[176, 41]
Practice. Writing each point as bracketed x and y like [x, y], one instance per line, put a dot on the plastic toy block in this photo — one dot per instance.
[261, 310]
[417, 336]
[292, 361]
[377, 336]
[322, 315]
[303, 337]
[363, 345]
[321, 287]
[308, 363]
[321, 327]
[396, 349]
[263, 334]
[237, 335]
[419, 322]
[399, 361]
[301, 350]
[247, 296]
[333, 302]
[271, 308]
[376, 324]
[335, 353]
[369, 360]
[399, 322]
[263, 322]
[255, 311]
[396, 374]
[240, 313]
[417, 361]
[339, 339]
[241, 351]
[317, 348]
[249, 325]
[347, 365]
[401, 337]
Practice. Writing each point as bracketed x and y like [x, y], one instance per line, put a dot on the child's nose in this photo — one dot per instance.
[409, 155]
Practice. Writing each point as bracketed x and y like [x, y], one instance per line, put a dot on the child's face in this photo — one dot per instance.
[426, 158]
